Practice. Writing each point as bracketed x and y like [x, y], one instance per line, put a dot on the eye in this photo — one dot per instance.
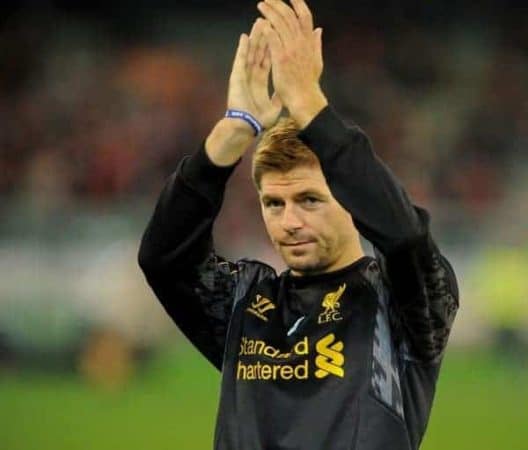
[273, 203]
[310, 201]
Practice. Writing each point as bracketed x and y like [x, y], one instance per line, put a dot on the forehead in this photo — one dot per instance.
[300, 178]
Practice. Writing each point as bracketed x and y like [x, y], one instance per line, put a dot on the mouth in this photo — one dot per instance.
[296, 244]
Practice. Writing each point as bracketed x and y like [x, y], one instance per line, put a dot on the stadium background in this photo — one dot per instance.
[97, 106]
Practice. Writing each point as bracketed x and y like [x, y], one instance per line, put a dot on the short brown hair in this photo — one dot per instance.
[280, 150]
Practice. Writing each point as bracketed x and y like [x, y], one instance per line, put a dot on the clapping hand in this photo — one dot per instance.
[248, 83]
[296, 56]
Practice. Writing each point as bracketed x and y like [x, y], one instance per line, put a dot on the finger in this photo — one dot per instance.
[261, 72]
[318, 44]
[260, 47]
[266, 60]
[261, 95]
[259, 88]
[276, 20]
[258, 85]
[273, 41]
[318, 38]
[239, 63]
[287, 14]
[252, 41]
[304, 14]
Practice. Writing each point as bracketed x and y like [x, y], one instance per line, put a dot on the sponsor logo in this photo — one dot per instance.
[276, 364]
[260, 307]
[330, 357]
[265, 371]
[259, 347]
[331, 306]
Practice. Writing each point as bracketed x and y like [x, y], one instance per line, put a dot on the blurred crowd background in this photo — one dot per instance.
[99, 104]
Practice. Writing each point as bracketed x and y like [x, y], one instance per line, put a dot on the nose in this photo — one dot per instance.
[291, 220]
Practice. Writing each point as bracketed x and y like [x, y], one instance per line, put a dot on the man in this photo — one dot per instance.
[342, 351]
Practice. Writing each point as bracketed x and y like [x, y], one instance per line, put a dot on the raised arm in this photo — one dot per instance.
[421, 280]
[422, 283]
[196, 287]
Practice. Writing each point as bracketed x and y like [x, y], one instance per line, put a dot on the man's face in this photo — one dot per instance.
[308, 227]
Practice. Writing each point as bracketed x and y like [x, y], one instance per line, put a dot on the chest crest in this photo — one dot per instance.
[331, 306]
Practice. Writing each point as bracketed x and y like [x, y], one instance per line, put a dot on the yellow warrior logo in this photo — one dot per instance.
[260, 307]
[331, 306]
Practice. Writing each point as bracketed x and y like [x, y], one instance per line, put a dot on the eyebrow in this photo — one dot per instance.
[302, 194]
[310, 193]
[267, 198]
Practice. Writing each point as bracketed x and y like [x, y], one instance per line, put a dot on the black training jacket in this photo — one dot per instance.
[346, 360]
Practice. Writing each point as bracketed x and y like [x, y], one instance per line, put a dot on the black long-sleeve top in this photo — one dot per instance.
[337, 361]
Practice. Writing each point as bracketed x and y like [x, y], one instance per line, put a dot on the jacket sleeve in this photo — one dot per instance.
[197, 288]
[424, 293]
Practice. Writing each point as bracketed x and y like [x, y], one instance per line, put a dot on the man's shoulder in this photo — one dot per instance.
[250, 273]
[249, 266]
